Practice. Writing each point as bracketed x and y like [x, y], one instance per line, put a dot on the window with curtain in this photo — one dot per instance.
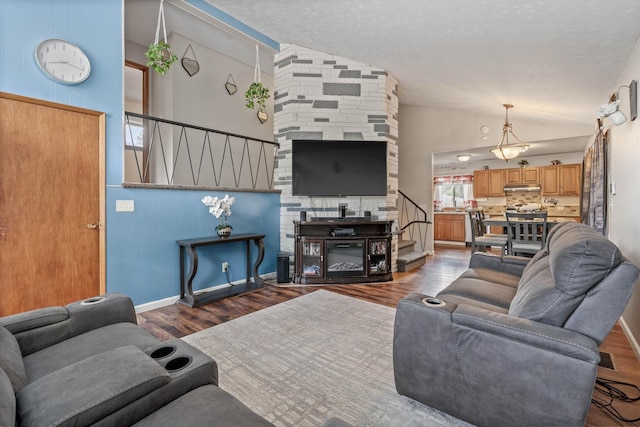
[454, 191]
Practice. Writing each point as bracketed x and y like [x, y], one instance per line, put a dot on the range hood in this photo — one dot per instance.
[521, 187]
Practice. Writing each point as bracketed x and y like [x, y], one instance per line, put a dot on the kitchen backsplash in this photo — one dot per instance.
[555, 206]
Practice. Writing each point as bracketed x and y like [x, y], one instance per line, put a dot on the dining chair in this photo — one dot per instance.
[527, 232]
[484, 227]
[480, 239]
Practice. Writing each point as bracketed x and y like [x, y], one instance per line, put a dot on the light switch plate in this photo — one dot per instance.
[124, 206]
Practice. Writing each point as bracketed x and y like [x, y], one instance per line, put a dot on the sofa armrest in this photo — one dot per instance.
[33, 319]
[103, 310]
[490, 368]
[539, 336]
[42, 328]
[87, 391]
[507, 263]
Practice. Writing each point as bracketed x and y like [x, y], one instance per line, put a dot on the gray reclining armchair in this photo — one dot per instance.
[514, 341]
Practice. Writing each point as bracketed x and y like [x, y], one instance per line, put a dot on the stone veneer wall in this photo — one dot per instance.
[323, 97]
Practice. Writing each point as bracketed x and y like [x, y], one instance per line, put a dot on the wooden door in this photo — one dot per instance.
[530, 176]
[51, 195]
[496, 183]
[570, 180]
[442, 227]
[550, 178]
[481, 183]
[513, 176]
[457, 228]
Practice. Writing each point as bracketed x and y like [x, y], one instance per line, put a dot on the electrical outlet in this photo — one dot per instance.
[225, 267]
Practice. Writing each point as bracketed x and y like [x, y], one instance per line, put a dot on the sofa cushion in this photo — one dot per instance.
[86, 345]
[463, 300]
[11, 360]
[7, 401]
[556, 281]
[85, 392]
[484, 285]
[581, 258]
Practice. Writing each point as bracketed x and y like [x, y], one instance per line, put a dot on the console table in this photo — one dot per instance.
[189, 248]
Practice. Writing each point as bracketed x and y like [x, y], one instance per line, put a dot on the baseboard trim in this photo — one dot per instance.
[152, 305]
[632, 340]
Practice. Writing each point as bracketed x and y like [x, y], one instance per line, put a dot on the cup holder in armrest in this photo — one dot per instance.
[94, 300]
[163, 352]
[433, 302]
[178, 363]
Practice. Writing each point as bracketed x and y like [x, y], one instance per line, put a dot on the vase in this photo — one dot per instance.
[224, 232]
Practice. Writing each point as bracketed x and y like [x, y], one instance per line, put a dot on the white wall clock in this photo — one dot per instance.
[62, 61]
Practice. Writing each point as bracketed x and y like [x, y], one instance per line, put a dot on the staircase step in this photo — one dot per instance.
[405, 247]
[411, 260]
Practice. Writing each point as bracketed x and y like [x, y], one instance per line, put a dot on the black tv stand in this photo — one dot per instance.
[324, 253]
[338, 219]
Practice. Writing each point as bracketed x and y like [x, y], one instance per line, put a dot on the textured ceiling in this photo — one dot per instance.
[555, 60]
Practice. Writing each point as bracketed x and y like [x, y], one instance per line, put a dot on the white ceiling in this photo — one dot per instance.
[552, 59]
[555, 60]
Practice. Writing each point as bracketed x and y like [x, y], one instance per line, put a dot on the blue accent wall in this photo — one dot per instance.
[142, 254]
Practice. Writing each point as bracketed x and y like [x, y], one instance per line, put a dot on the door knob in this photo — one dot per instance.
[95, 225]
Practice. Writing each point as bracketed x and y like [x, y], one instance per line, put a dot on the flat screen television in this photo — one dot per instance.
[339, 168]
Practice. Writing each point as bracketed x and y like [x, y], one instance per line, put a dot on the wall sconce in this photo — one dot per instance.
[463, 157]
[612, 110]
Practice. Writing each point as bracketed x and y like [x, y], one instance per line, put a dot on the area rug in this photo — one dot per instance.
[320, 355]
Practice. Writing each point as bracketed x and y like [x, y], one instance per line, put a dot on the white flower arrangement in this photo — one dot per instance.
[220, 208]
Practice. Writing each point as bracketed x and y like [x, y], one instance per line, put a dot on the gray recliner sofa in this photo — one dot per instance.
[90, 364]
[514, 341]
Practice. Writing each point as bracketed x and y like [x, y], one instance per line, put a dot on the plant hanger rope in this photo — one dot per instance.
[256, 70]
[161, 19]
[257, 93]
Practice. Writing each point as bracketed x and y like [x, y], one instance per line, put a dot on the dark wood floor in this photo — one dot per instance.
[176, 321]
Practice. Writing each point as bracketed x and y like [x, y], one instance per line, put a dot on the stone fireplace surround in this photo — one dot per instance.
[323, 97]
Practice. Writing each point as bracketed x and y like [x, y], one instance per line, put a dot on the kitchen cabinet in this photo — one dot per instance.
[488, 183]
[449, 227]
[481, 183]
[513, 176]
[530, 175]
[561, 180]
[522, 176]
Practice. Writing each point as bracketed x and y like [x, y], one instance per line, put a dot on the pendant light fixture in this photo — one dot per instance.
[504, 150]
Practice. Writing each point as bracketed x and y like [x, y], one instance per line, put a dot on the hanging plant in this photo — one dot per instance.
[159, 55]
[257, 93]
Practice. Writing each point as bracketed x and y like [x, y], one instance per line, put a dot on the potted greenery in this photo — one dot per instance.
[256, 94]
[160, 57]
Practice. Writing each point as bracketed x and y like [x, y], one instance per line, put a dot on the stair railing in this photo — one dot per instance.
[169, 153]
[413, 220]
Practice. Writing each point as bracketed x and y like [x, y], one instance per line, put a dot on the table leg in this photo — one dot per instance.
[193, 269]
[256, 276]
